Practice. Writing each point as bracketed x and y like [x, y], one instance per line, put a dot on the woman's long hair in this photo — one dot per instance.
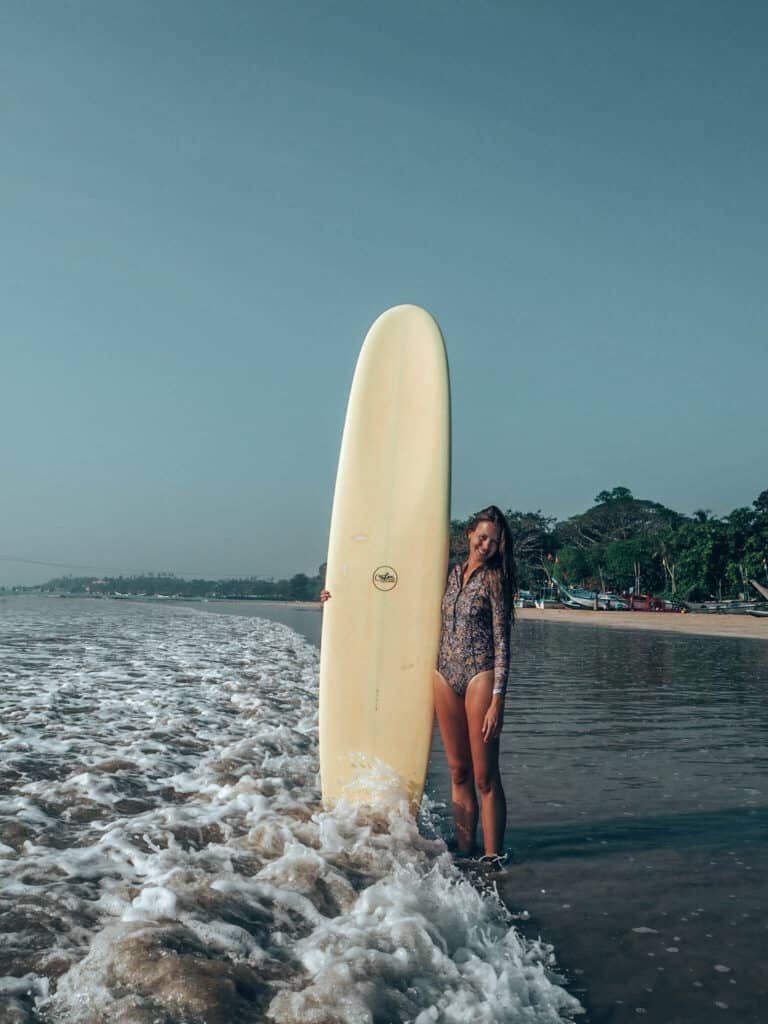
[504, 559]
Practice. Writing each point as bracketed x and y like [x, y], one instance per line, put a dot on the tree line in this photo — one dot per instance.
[620, 543]
[625, 544]
[298, 588]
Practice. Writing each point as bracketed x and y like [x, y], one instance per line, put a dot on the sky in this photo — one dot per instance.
[206, 205]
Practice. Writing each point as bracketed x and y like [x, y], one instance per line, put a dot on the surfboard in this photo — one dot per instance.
[387, 562]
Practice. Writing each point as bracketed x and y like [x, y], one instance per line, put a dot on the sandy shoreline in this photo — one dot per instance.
[692, 623]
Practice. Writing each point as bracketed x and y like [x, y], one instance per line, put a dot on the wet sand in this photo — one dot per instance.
[646, 934]
[693, 623]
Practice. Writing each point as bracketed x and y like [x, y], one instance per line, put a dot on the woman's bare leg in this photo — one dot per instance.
[485, 760]
[452, 719]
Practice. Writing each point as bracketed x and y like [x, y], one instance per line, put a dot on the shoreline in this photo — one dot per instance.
[745, 627]
[689, 623]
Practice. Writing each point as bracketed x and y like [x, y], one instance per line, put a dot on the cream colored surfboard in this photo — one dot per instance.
[387, 560]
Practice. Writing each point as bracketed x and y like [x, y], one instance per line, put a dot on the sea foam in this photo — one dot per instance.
[165, 854]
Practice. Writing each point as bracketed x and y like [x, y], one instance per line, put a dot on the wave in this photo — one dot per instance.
[165, 856]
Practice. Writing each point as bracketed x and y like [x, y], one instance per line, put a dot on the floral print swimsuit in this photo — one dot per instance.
[475, 631]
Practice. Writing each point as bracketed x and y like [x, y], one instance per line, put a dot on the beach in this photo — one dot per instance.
[687, 623]
[746, 627]
[634, 759]
[162, 759]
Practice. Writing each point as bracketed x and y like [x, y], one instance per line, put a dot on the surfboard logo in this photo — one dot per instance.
[384, 578]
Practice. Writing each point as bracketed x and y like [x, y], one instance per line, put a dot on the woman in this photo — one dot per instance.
[471, 679]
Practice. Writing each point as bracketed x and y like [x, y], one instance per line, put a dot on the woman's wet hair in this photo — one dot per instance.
[504, 558]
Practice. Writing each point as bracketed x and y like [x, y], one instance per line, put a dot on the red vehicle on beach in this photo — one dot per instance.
[649, 603]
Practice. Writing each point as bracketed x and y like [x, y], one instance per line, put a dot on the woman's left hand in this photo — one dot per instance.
[494, 719]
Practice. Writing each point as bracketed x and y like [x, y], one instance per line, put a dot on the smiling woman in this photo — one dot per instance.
[471, 678]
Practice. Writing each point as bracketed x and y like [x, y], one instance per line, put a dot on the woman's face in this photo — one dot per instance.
[484, 540]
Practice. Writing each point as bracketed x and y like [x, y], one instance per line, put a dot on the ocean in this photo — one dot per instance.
[636, 770]
[165, 858]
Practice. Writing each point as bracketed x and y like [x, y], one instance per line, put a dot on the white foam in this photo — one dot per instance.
[167, 766]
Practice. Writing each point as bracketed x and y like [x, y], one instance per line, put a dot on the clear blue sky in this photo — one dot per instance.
[205, 205]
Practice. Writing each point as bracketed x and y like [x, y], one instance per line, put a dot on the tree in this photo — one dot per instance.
[615, 494]
[626, 560]
[698, 552]
[618, 516]
[575, 565]
[532, 539]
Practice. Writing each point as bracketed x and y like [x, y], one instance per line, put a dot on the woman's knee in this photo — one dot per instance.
[485, 780]
[461, 774]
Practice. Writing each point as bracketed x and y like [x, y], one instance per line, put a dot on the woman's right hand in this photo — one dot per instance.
[325, 595]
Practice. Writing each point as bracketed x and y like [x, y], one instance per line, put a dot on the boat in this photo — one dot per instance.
[760, 611]
[730, 607]
[578, 597]
[548, 597]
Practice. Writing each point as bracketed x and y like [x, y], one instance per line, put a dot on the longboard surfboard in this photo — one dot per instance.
[387, 562]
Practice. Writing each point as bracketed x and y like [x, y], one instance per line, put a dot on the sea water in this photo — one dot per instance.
[635, 766]
[164, 855]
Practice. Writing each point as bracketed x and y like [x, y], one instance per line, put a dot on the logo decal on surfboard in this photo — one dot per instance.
[384, 578]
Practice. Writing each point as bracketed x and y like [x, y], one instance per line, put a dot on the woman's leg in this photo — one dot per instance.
[452, 719]
[485, 760]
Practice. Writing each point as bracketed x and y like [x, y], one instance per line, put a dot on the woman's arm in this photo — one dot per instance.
[494, 716]
[501, 626]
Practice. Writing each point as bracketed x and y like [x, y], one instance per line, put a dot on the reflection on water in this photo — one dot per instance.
[635, 769]
[605, 724]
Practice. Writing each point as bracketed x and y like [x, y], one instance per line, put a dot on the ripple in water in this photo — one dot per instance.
[165, 857]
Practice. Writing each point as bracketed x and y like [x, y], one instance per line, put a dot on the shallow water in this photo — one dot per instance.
[636, 766]
[164, 856]
[636, 770]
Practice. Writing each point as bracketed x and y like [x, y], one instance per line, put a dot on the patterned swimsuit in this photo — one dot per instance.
[475, 631]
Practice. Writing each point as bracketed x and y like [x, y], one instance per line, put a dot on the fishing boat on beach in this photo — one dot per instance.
[548, 597]
[728, 607]
[760, 611]
[600, 600]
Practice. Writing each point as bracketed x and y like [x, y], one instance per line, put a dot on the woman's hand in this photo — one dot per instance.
[325, 595]
[494, 718]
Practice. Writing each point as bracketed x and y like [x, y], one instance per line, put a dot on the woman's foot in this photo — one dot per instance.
[494, 861]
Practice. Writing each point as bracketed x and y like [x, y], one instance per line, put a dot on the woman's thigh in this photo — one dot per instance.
[485, 756]
[452, 719]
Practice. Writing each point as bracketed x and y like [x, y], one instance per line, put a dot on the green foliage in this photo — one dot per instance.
[697, 552]
[615, 494]
[618, 516]
[696, 557]
[574, 565]
[299, 588]
[620, 539]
